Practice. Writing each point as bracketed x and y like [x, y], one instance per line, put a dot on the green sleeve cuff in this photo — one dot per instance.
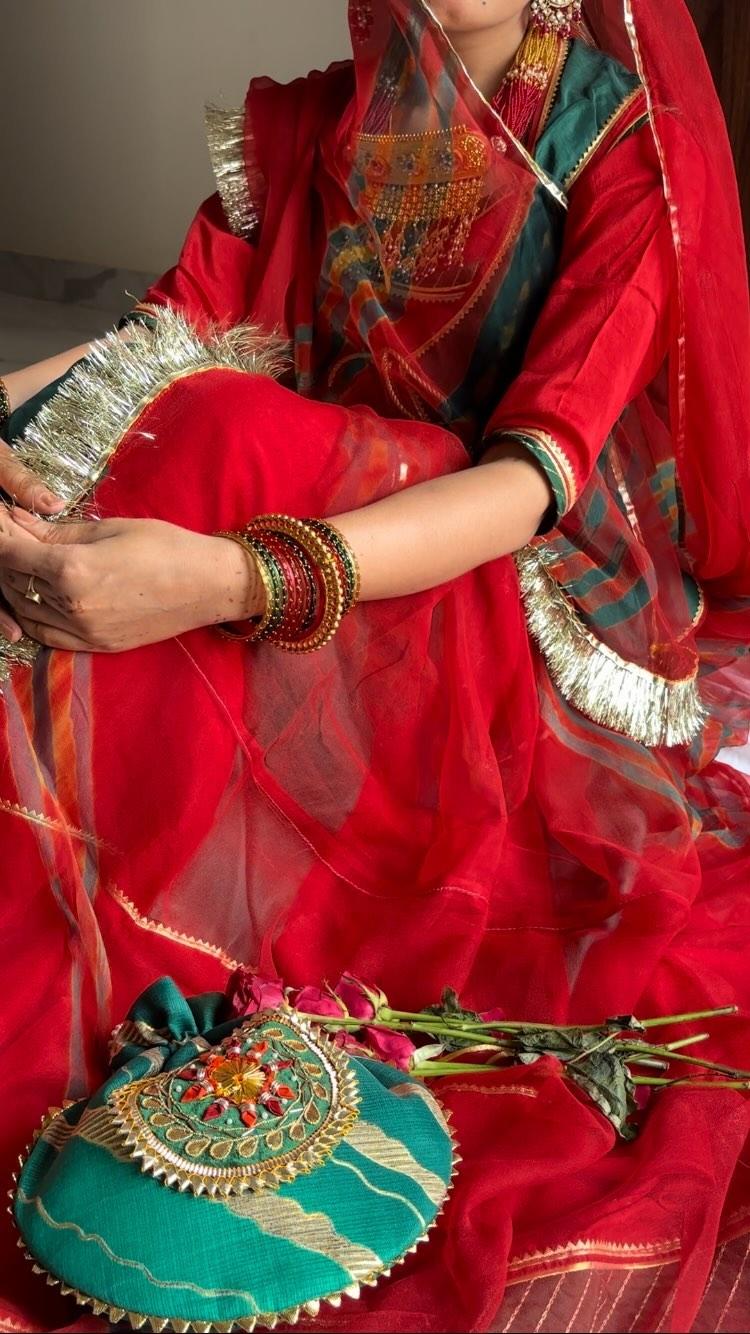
[557, 468]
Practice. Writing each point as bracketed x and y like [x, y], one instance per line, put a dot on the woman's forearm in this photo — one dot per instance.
[439, 530]
[24, 384]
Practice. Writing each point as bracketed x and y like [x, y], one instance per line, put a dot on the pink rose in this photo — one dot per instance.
[311, 1000]
[395, 1048]
[361, 1001]
[247, 993]
[349, 1043]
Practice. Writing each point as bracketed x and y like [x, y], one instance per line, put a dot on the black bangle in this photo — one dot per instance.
[138, 317]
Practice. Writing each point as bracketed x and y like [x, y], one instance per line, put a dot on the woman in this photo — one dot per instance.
[488, 241]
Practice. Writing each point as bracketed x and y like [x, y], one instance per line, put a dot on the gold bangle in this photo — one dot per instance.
[336, 539]
[260, 628]
[318, 549]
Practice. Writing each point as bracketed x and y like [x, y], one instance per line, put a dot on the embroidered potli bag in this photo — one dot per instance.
[231, 1176]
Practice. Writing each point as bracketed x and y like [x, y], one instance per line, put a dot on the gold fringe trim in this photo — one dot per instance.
[75, 435]
[312, 1309]
[229, 149]
[593, 678]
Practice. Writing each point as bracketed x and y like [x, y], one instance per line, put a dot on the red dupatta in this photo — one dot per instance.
[417, 803]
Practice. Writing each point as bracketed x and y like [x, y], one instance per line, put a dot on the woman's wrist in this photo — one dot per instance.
[236, 591]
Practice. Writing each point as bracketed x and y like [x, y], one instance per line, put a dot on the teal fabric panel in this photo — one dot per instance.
[592, 87]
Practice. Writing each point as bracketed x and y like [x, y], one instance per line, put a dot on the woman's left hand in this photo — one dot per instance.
[120, 583]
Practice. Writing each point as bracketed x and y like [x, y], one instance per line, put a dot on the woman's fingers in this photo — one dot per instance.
[24, 487]
[9, 628]
[44, 624]
[51, 637]
[25, 610]
[11, 581]
[25, 554]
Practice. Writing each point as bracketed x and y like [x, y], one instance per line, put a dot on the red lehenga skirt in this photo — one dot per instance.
[416, 804]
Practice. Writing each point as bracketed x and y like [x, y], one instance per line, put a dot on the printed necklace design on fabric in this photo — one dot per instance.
[424, 190]
[271, 1101]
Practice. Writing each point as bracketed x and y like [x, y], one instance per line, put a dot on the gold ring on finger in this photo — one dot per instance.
[31, 592]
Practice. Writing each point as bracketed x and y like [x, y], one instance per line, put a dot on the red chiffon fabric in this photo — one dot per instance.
[417, 803]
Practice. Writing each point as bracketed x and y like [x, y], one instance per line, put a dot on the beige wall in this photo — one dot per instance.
[102, 152]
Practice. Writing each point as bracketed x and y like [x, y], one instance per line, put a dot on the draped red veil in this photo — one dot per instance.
[417, 803]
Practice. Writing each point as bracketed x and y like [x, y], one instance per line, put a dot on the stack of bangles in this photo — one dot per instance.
[310, 576]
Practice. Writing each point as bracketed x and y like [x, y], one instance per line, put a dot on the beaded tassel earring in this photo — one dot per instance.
[522, 96]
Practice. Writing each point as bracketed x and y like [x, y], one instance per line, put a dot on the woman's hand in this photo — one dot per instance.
[23, 486]
[121, 583]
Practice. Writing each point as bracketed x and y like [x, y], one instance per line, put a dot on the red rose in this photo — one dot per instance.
[362, 1002]
[395, 1048]
[248, 993]
[311, 1000]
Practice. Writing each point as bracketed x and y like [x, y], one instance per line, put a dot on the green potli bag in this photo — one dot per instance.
[233, 1175]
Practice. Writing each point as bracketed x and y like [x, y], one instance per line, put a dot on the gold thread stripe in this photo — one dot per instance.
[49, 822]
[373, 1143]
[96, 1126]
[94, 1238]
[387, 1194]
[414, 1090]
[551, 446]
[496, 1090]
[57, 1132]
[171, 933]
[281, 1216]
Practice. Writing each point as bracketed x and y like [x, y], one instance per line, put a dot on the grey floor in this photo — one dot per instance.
[32, 329]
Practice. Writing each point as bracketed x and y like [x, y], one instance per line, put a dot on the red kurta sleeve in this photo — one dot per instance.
[603, 332]
[210, 281]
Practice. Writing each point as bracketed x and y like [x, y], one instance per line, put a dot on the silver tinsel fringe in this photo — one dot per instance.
[593, 678]
[229, 149]
[73, 438]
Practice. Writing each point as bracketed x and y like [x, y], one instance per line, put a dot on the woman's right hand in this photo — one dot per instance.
[22, 487]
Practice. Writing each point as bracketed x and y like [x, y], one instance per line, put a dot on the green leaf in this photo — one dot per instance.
[592, 1064]
[625, 1023]
[451, 1009]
